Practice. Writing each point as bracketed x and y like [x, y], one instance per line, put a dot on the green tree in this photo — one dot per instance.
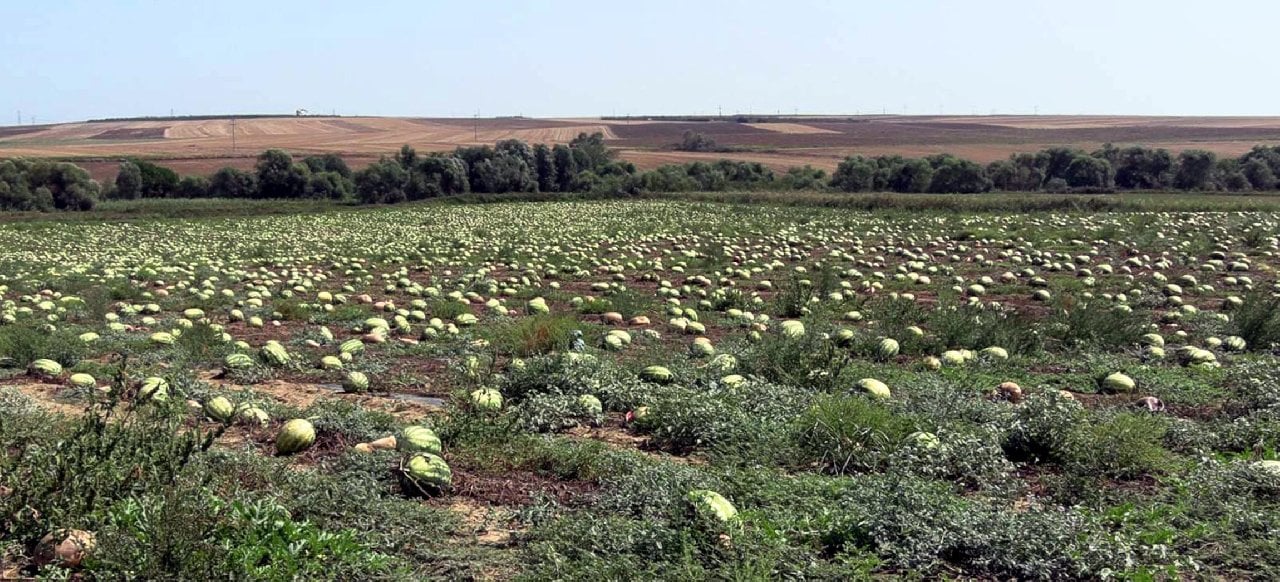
[1088, 172]
[128, 181]
[804, 178]
[544, 164]
[329, 186]
[447, 172]
[1259, 174]
[192, 187]
[854, 174]
[693, 141]
[328, 163]
[503, 174]
[1228, 174]
[1139, 168]
[279, 177]
[407, 158]
[16, 192]
[381, 183]
[912, 176]
[1195, 169]
[229, 182]
[590, 151]
[957, 176]
[566, 167]
[157, 181]
[68, 185]
[1054, 161]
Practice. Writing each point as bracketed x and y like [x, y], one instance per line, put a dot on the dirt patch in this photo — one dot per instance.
[132, 133]
[614, 435]
[485, 524]
[516, 488]
[46, 396]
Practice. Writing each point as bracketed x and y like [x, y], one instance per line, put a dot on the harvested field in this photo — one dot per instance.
[202, 146]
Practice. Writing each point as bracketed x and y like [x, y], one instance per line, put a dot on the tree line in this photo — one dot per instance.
[1062, 169]
[587, 165]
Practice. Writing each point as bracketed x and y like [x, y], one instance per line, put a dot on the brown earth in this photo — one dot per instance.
[202, 146]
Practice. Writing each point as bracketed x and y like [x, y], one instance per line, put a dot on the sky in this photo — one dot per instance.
[64, 60]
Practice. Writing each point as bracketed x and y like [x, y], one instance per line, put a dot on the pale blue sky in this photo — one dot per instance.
[63, 60]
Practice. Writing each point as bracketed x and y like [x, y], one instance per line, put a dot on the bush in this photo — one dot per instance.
[1044, 428]
[533, 335]
[1258, 321]
[693, 141]
[1124, 446]
[849, 434]
[22, 344]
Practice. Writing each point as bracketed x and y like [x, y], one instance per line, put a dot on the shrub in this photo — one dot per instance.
[1258, 321]
[1044, 428]
[1124, 446]
[534, 335]
[848, 434]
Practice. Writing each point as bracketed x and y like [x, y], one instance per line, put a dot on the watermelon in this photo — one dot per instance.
[46, 368]
[355, 382]
[874, 388]
[154, 388]
[1118, 383]
[274, 354]
[219, 408]
[428, 472]
[486, 399]
[295, 436]
[238, 362]
[418, 439]
[887, 349]
[712, 505]
[657, 374]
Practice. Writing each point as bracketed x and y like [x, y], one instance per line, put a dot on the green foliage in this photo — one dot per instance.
[104, 457]
[279, 177]
[693, 141]
[848, 434]
[43, 186]
[554, 413]
[22, 344]
[128, 181]
[1124, 446]
[532, 336]
[1258, 321]
[1044, 428]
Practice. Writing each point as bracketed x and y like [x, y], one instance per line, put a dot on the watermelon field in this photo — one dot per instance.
[641, 390]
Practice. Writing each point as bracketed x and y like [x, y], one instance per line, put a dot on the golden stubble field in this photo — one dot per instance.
[202, 146]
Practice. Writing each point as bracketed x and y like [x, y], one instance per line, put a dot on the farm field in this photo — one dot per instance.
[202, 146]
[645, 389]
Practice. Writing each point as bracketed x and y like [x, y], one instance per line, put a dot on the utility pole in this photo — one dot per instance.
[475, 126]
[233, 136]
[720, 111]
[19, 117]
